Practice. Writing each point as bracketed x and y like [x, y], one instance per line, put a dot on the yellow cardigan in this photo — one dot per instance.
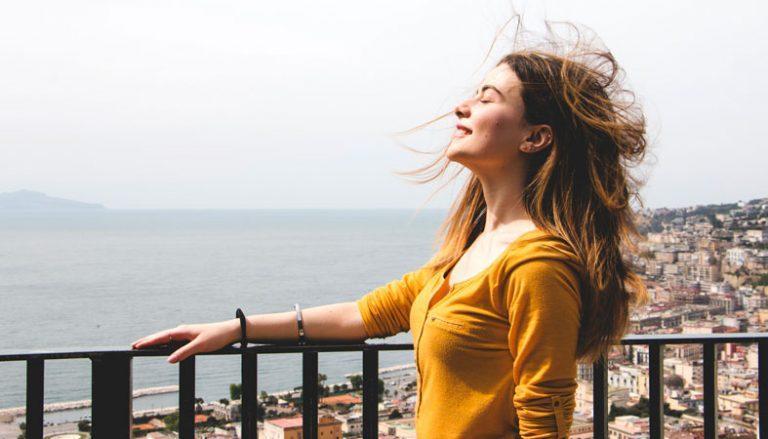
[495, 354]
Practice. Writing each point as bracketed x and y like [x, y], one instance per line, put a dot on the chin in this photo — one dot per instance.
[452, 153]
[457, 152]
[456, 155]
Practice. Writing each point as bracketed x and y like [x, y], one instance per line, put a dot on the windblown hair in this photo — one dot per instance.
[579, 187]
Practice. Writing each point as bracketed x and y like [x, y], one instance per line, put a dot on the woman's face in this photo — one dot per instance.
[495, 123]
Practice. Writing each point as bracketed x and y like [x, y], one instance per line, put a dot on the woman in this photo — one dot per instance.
[530, 277]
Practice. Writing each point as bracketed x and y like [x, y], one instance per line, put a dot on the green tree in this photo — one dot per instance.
[235, 391]
[641, 410]
[740, 273]
[716, 223]
[260, 412]
[83, 425]
[648, 254]
[380, 389]
[356, 381]
[357, 384]
[762, 280]
[669, 412]
[172, 421]
[322, 390]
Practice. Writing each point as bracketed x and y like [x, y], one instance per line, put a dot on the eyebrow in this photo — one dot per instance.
[487, 86]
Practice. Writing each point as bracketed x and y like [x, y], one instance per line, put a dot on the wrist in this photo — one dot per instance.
[233, 329]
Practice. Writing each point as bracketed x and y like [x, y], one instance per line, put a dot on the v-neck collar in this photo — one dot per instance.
[444, 281]
[497, 260]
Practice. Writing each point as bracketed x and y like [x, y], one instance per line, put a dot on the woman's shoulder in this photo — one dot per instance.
[544, 267]
[542, 253]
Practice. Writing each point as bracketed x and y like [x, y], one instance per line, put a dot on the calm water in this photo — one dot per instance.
[101, 279]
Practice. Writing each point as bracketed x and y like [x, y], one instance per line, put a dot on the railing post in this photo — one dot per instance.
[112, 396]
[600, 398]
[370, 393]
[187, 398]
[309, 400]
[656, 389]
[249, 403]
[762, 382]
[35, 388]
[710, 391]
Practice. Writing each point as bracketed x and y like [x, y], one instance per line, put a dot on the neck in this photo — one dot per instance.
[503, 193]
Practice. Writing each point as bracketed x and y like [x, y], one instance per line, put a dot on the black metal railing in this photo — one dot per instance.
[112, 395]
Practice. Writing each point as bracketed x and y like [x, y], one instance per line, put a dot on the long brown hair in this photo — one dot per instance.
[579, 187]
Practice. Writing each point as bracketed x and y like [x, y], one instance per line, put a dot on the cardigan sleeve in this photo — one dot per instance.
[386, 310]
[543, 304]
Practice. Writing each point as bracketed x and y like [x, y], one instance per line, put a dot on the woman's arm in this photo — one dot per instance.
[335, 322]
[544, 314]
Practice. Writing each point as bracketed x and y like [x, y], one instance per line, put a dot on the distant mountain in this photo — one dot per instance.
[31, 200]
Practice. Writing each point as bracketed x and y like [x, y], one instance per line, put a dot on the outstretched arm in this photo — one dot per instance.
[334, 322]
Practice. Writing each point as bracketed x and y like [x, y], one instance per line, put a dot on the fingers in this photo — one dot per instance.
[184, 352]
[137, 342]
[154, 339]
[162, 337]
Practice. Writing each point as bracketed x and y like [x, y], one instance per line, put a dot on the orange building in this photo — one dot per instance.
[328, 427]
[345, 399]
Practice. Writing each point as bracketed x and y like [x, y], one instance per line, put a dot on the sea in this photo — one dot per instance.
[102, 278]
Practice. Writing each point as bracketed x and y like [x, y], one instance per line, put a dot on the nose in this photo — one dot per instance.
[462, 110]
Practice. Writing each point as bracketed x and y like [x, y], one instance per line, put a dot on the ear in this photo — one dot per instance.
[540, 137]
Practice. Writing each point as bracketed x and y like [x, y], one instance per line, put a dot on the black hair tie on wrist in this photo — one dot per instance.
[243, 340]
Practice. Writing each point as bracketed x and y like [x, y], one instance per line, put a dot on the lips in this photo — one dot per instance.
[461, 127]
[461, 131]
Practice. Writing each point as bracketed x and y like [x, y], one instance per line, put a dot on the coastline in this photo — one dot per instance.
[85, 403]
[64, 406]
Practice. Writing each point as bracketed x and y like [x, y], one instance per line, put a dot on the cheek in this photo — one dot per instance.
[500, 130]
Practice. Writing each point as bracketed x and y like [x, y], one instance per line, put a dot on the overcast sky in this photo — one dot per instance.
[249, 104]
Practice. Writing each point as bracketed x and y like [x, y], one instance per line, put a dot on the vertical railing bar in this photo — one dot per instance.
[249, 407]
[600, 398]
[762, 382]
[255, 379]
[187, 398]
[370, 393]
[309, 400]
[112, 405]
[656, 389]
[35, 397]
[710, 391]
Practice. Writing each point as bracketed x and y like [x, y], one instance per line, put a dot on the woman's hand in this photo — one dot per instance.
[204, 337]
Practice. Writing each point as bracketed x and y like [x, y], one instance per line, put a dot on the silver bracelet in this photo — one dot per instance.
[300, 323]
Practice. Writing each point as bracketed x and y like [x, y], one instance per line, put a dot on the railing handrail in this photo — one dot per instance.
[277, 348]
[286, 348]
